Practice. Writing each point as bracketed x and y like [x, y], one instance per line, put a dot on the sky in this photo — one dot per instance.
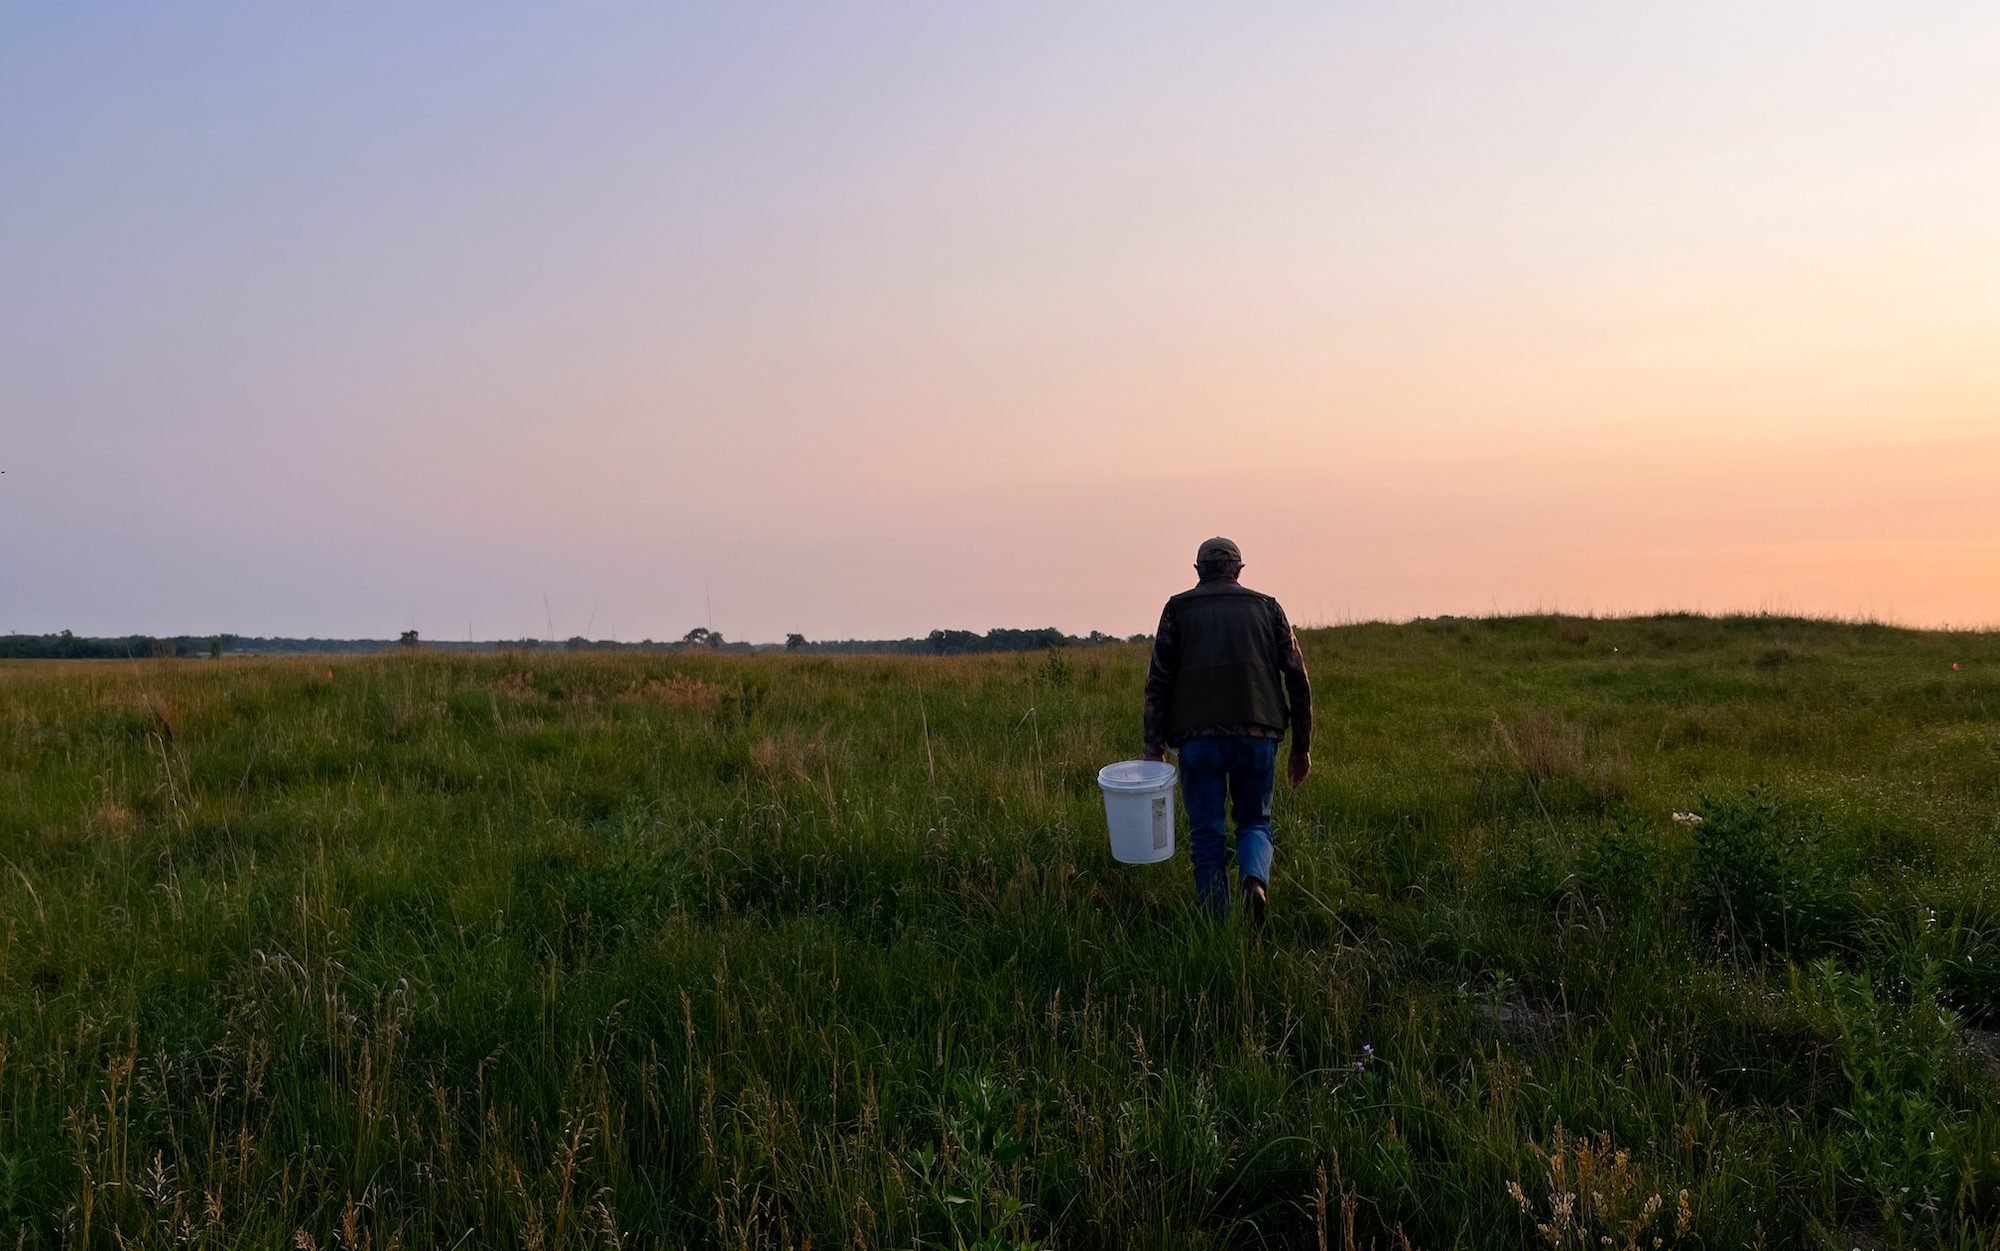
[860, 320]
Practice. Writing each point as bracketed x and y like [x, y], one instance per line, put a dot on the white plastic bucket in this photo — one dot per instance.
[1139, 804]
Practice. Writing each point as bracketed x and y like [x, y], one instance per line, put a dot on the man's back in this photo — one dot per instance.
[1227, 659]
[1226, 680]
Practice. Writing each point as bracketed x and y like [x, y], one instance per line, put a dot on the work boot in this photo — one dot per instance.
[1253, 902]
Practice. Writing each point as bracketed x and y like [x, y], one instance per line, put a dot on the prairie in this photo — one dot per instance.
[1668, 931]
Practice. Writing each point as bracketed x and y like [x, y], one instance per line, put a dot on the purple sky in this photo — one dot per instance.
[864, 320]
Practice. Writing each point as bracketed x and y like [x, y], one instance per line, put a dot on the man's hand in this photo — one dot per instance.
[1301, 764]
[1154, 755]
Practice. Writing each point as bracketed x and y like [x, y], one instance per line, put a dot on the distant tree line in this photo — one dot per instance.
[68, 646]
[262, 644]
[962, 642]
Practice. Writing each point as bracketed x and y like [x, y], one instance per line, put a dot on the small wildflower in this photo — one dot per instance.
[1360, 1066]
[1367, 1049]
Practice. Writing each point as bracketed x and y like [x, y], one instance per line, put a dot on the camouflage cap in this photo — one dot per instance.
[1219, 552]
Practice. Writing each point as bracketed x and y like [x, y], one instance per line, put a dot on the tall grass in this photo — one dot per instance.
[776, 951]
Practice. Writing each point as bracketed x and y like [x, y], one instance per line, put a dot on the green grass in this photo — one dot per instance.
[556, 951]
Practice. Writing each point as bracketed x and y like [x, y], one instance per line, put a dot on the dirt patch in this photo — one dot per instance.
[1527, 1023]
[1984, 1046]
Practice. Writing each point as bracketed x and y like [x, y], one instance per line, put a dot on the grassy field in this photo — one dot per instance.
[744, 952]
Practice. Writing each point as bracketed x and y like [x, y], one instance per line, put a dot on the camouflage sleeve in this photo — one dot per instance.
[1298, 686]
[1160, 684]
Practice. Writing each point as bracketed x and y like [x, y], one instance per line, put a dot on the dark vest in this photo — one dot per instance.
[1228, 672]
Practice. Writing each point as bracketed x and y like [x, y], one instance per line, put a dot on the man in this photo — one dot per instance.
[1226, 679]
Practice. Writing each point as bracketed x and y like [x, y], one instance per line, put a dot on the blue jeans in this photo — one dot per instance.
[1214, 770]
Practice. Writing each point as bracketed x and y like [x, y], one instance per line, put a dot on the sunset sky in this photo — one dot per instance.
[864, 319]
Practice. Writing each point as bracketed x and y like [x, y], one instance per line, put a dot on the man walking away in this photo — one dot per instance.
[1226, 679]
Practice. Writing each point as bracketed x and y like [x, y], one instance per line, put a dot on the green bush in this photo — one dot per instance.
[1764, 880]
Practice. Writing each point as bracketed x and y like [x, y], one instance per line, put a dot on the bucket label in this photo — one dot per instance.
[1163, 823]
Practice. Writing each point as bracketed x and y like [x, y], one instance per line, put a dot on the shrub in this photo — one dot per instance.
[1761, 878]
[973, 1181]
[1622, 865]
[1901, 1142]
